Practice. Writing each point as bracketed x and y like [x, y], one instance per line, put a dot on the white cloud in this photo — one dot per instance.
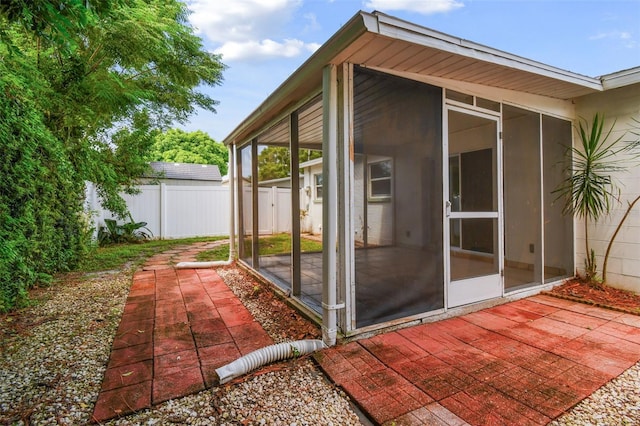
[249, 29]
[312, 24]
[617, 35]
[624, 36]
[426, 7]
[266, 49]
[225, 20]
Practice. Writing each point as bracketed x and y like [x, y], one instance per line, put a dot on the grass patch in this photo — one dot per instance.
[217, 253]
[275, 244]
[117, 255]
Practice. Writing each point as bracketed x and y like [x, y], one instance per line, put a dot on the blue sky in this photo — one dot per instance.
[263, 41]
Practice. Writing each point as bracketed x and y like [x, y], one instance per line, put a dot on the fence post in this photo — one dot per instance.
[274, 210]
[163, 210]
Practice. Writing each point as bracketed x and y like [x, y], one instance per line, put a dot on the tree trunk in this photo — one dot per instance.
[613, 237]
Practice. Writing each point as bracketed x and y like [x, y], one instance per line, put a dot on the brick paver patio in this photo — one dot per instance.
[178, 326]
[521, 363]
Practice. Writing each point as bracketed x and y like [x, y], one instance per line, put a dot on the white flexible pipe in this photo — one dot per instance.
[267, 355]
[232, 224]
[203, 265]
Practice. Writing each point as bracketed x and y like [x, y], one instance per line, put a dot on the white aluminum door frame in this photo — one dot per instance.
[476, 289]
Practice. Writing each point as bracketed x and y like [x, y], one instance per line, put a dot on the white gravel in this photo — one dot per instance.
[52, 371]
[53, 357]
[616, 403]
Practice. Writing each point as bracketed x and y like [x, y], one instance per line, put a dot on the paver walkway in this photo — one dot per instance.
[520, 363]
[178, 326]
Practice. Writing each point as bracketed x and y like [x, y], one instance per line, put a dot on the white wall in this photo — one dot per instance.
[312, 222]
[623, 271]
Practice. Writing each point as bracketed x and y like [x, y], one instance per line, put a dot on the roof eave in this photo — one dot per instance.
[309, 74]
[621, 78]
[402, 30]
[309, 71]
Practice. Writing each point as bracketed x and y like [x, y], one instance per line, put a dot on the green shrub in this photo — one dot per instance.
[41, 227]
[127, 232]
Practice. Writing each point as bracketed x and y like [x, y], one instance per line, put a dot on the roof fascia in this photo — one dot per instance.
[621, 78]
[402, 30]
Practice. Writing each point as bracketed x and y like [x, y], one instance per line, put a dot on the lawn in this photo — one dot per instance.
[116, 256]
[271, 245]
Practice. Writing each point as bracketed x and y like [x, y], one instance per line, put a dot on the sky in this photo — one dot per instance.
[262, 42]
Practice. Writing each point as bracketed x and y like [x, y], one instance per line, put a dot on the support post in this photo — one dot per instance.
[232, 206]
[296, 275]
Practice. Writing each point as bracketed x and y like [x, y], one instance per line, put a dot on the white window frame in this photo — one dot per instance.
[370, 179]
[316, 186]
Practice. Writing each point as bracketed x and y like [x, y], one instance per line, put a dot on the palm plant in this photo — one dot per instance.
[589, 188]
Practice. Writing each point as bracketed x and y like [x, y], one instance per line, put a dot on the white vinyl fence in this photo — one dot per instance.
[182, 211]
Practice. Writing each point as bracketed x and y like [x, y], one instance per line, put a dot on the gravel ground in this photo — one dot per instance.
[53, 357]
[616, 403]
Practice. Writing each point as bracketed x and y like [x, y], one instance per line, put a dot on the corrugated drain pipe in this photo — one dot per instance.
[232, 224]
[267, 355]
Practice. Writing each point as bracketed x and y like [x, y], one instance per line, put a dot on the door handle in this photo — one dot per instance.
[447, 205]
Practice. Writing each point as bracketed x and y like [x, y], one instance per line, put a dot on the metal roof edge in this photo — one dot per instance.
[400, 29]
[378, 23]
[621, 78]
[310, 163]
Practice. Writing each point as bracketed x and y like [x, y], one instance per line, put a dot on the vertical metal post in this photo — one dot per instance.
[329, 204]
[294, 148]
[255, 248]
[242, 250]
[346, 254]
[232, 206]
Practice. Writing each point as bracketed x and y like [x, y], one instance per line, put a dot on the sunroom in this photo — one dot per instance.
[420, 177]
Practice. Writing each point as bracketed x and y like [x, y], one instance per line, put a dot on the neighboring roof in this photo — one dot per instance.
[310, 163]
[208, 172]
[621, 78]
[379, 41]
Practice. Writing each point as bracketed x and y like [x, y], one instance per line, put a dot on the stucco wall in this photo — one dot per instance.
[623, 270]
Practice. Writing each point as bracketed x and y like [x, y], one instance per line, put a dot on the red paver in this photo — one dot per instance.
[130, 355]
[132, 333]
[176, 385]
[175, 362]
[127, 375]
[122, 401]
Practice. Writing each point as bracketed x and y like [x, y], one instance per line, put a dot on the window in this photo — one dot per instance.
[317, 179]
[380, 180]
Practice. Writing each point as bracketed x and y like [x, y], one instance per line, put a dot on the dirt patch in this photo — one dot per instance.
[602, 295]
[281, 321]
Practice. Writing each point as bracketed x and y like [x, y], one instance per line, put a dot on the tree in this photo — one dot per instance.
[590, 189]
[123, 71]
[85, 88]
[196, 147]
[41, 228]
[274, 161]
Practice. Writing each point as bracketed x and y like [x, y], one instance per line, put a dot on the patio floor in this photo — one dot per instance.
[521, 363]
[524, 362]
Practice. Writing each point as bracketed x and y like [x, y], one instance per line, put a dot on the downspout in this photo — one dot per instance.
[232, 223]
[329, 206]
